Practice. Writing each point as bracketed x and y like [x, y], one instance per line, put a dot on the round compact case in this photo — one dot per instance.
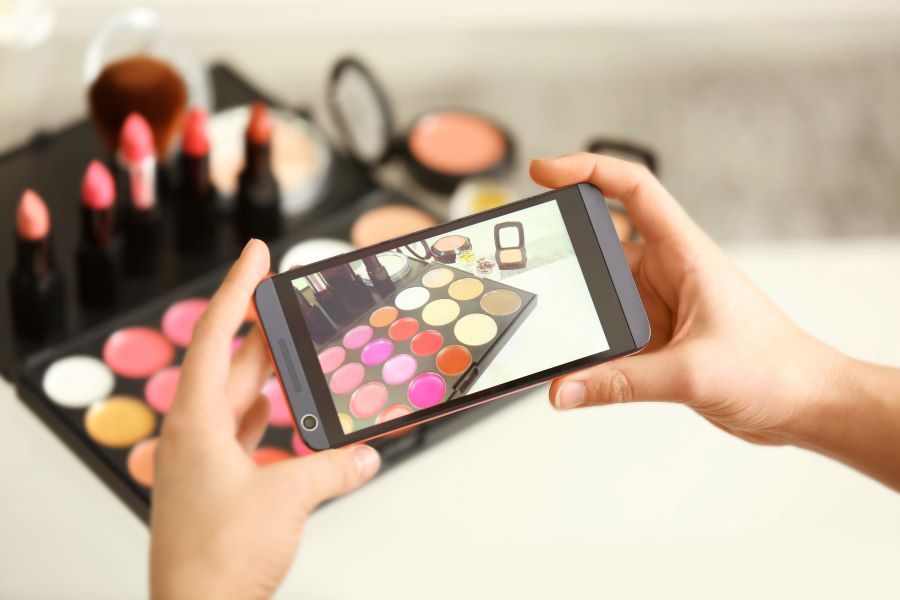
[441, 147]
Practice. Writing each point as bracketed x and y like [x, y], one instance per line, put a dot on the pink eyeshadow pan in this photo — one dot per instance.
[368, 400]
[394, 411]
[377, 351]
[137, 352]
[398, 369]
[331, 358]
[179, 320]
[358, 337]
[426, 390]
[161, 387]
[279, 412]
[347, 378]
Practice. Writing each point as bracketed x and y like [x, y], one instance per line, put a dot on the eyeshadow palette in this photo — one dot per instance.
[425, 344]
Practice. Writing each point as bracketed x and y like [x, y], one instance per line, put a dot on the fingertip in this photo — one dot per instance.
[569, 395]
[367, 460]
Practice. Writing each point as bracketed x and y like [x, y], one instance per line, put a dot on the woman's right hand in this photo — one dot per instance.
[718, 344]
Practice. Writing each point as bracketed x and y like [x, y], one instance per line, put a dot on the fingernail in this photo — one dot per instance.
[570, 395]
[544, 158]
[367, 461]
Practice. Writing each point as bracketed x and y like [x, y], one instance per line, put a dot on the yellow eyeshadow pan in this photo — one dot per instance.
[466, 289]
[119, 421]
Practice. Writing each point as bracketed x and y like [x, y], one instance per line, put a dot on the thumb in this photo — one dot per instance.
[319, 477]
[653, 376]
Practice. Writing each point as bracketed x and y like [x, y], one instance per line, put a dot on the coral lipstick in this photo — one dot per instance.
[258, 210]
[195, 209]
[35, 285]
[97, 257]
[142, 218]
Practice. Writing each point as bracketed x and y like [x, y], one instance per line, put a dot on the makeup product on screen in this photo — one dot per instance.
[441, 147]
[485, 266]
[353, 293]
[447, 248]
[328, 300]
[195, 208]
[477, 195]
[35, 284]
[510, 255]
[97, 257]
[378, 276]
[422, 346]
[257, 210]
[302, 159]
[388, 221]
[141, 84]
[141, 214]
[320, 329]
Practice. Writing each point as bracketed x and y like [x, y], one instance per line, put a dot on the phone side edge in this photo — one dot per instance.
[296, 389]
[617, 264]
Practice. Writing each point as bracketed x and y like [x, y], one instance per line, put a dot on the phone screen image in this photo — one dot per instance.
[461, 314]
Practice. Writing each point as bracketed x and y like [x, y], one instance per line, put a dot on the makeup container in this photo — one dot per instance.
[302, 160]
[387, 221]
[258, 208]
[510, 256]
[143, 222]
[440, 148]
[477, 195]
[328, 300]
[196, 218]
[485, 266]
[424, 345]
[35, 284]
[98, 257]
[447, 248]
[379, 277]
[353, 293]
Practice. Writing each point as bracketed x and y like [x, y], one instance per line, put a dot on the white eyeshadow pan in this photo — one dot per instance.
[78, 381]
[412, 298]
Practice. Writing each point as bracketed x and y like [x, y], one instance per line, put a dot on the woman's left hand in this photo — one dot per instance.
[220, 525]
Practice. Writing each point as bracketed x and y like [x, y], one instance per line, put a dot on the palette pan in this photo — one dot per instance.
[426, 344]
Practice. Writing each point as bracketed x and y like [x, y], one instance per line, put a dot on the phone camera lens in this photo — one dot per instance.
[309, 422]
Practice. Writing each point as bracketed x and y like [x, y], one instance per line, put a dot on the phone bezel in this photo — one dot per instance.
[282, 328]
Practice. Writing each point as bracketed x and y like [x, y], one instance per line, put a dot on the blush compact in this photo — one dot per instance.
[510, 256]
[447, 248]
[441, 147]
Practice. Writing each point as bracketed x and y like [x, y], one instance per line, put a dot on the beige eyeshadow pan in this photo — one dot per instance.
[500, 302]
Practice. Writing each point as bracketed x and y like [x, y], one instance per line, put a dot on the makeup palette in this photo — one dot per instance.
[424, 345]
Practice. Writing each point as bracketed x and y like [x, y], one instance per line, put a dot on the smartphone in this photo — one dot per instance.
[440, 320]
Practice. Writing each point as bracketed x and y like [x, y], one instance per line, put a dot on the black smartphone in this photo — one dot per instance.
[440, 320]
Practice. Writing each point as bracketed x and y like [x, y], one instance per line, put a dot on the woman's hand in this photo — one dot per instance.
[220, 525]
[718, 344]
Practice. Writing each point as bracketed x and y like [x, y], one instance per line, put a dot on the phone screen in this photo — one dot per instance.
[464, 313]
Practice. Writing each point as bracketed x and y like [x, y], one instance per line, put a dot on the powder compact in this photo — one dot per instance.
[441, 148]
[510, 256]
[447, 248]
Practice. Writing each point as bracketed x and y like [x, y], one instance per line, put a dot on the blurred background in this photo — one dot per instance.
[776, 123]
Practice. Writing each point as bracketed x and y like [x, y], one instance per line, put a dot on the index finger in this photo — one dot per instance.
[208, 358]
[651, 208]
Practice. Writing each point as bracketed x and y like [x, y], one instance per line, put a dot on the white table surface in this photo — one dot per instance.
[622, 502]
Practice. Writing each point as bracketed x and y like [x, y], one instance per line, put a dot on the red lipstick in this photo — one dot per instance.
[195, 208]
[258, 208]
[35, 285]
[142, 220]
[97, 257]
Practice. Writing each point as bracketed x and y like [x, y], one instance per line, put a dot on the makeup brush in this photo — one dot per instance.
[97, 257]
[35, 285]
[141, 84]
[142, 218]
[195, 209]
[258, 208]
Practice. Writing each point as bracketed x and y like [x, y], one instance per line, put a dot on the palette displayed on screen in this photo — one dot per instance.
[417, 326]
